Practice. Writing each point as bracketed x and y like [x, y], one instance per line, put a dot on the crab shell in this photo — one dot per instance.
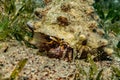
[81, 21]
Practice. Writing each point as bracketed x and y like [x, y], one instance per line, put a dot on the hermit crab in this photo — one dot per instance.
[66, 29]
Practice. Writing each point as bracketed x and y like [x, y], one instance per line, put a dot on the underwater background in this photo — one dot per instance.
[59, 40]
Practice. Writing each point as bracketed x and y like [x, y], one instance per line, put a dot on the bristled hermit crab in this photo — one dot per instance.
[65, 28]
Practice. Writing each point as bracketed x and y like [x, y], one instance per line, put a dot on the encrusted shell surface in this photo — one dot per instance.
[81, 20]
